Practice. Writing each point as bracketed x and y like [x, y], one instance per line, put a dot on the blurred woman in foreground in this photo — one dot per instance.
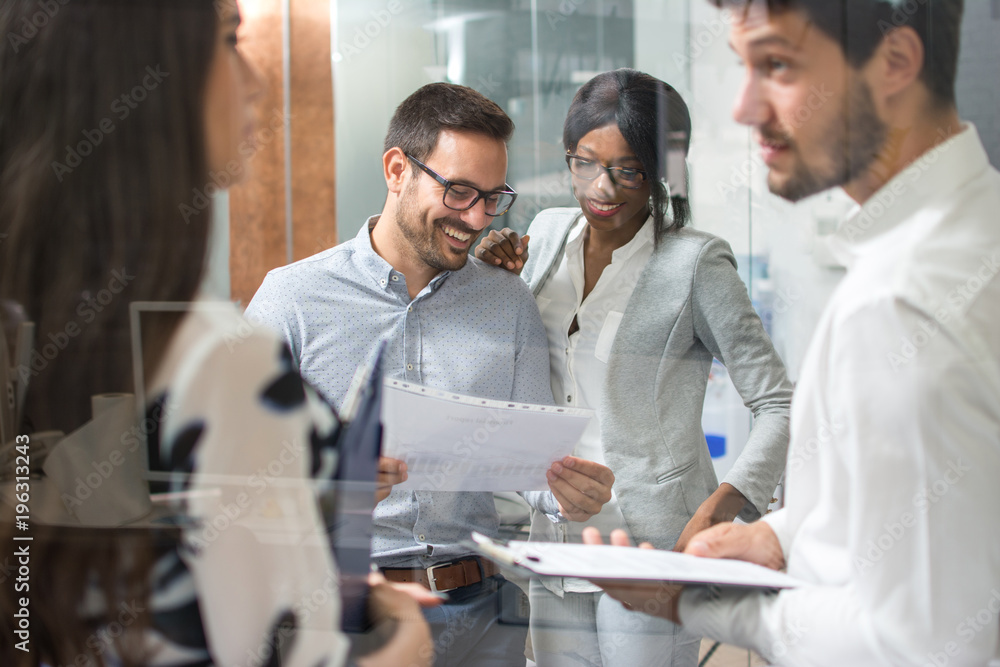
[112, 115]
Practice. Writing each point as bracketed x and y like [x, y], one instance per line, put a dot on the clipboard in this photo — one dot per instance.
[612, 563]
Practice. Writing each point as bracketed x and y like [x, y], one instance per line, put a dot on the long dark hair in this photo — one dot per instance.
[655, 122]
[102, 141]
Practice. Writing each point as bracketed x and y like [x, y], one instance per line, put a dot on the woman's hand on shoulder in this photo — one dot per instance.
[505, 249]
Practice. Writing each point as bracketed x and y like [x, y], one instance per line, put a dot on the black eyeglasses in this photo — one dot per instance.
[459, 197]
[588, 170]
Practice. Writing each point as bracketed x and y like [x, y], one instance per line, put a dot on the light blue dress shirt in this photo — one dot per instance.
[474, 331]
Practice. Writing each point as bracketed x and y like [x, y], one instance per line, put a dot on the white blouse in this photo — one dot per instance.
[579, 362]
[248, 436]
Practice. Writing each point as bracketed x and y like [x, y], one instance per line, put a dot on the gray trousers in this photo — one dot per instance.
[593, 630]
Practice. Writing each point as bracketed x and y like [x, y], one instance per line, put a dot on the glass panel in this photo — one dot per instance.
[531, 56]
[100, 347]
[528, 56]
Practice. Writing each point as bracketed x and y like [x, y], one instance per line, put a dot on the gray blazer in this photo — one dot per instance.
[688, 306]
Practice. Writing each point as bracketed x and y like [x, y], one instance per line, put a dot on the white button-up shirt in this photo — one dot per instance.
[579, 362]
[893, 475]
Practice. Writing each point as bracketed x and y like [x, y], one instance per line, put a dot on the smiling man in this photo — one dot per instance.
[891, 482]
[450, 322]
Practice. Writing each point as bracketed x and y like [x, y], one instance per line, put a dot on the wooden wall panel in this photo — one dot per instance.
[258, 241]
[313, 166]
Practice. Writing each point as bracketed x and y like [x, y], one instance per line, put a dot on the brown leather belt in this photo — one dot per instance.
[446, 576]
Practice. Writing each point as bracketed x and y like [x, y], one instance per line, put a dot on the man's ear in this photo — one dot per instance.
[899, 60]
[395, 167]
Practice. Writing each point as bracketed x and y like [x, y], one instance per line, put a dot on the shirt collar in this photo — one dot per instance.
[934, 176]
[380, 270]
[642, 237]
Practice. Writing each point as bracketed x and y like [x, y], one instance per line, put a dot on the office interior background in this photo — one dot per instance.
[336, 69]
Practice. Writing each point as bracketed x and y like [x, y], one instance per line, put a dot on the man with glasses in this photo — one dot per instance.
[450, 322]
[892, 490]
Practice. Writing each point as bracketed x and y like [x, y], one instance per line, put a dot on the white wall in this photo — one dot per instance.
[380, 51]
[978, 85]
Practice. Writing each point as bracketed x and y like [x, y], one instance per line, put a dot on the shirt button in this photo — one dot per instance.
[409, 367]
[382, 282]
[569, 399]
[409, 309]
[395, 278]
[420, 537]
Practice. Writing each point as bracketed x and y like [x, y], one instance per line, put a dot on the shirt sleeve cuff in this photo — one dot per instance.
[546, 503]
[732, 617]
[778, 522]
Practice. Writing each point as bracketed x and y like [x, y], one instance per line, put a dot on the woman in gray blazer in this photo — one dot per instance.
[636, 305]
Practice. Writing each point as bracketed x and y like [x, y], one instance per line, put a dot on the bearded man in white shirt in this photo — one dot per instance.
[893, 475]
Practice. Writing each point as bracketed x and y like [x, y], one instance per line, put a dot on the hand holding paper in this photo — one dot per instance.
[581, 487]
[755, 543]
[451, 442]
[390, 473]
[644, 579]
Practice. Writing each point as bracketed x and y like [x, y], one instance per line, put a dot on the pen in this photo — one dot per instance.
[495, 551]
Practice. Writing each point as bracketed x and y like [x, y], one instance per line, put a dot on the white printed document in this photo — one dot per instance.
[610, 563]
[452, 442]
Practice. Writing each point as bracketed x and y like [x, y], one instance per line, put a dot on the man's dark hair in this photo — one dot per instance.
[444, 106]
[860, 25]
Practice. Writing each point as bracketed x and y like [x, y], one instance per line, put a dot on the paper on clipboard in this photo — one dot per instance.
[582, 561]
[452, 442]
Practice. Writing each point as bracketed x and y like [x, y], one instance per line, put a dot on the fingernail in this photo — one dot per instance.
[550, 475]
[519, 264]
[568, 463]
[557, 467]
[510, 265]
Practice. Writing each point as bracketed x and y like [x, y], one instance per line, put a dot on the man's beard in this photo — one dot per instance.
[422, 239]
[853, 146]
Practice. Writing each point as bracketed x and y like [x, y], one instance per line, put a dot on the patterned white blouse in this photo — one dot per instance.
[245, 439]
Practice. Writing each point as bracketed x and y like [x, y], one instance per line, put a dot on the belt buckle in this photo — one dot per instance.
[432, 581]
